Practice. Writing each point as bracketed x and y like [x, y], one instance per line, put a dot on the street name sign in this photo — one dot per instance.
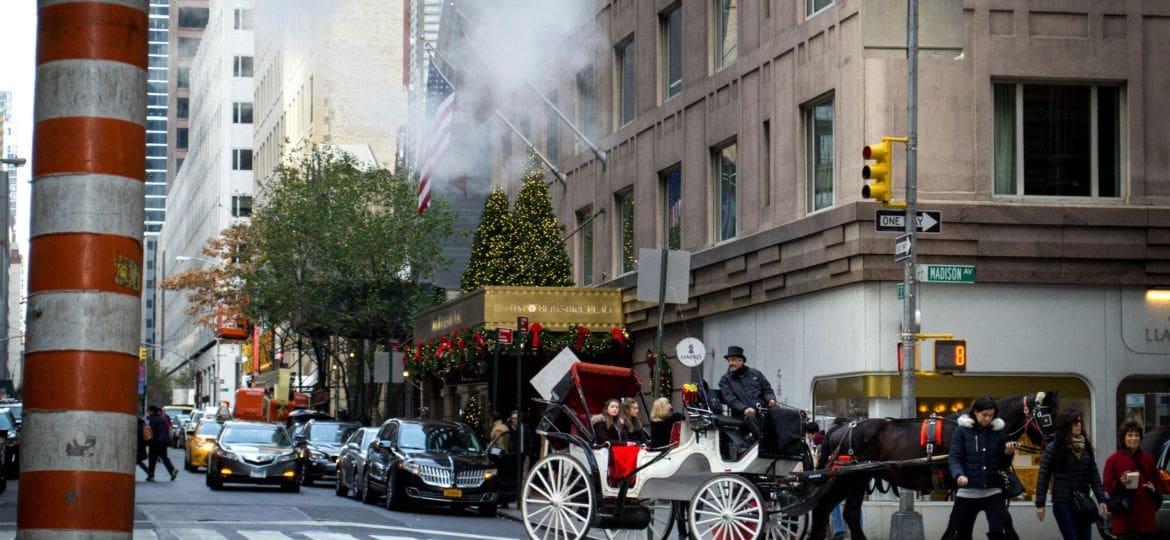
[928, 221]
[902, 247]
[945, 273]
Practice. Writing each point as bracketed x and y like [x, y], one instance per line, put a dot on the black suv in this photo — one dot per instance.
[318, 443]
[431, 460]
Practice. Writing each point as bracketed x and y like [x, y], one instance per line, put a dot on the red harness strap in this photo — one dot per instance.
[931, 434]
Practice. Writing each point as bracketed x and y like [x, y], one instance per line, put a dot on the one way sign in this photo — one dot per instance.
[929, 221]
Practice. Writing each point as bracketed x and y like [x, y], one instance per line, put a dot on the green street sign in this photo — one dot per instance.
[901, 291]
[945, 273]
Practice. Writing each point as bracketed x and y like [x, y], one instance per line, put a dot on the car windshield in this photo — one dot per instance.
[208, 428]
[6, 421]
[369, 438]
[254, 435]
[438, 438]
[330, 433]
[175, 412]
[16, 408]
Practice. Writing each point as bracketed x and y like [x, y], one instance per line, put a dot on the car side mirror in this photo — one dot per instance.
[495, 451]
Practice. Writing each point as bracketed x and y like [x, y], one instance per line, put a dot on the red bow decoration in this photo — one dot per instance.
[443, 348]
[581, 333]
[535, 328]
[462, 344]
[618, 336]
[478, 341]
[418, 351]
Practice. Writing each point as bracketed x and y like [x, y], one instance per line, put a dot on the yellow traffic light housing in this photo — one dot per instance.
[142, 355]
[950, 355]
[877, 173]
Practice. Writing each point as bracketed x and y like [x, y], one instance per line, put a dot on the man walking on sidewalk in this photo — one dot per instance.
[159, 442]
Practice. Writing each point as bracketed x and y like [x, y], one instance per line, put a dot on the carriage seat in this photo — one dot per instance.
[623, 459]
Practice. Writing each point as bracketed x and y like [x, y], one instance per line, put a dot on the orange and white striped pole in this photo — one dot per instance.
[85, 258]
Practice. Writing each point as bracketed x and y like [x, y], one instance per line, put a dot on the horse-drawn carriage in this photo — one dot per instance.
[713, 478]
[732, 490]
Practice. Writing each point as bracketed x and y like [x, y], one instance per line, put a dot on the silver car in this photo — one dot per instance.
[253, 453]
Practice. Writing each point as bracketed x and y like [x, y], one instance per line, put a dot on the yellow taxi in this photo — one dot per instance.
[200, 442]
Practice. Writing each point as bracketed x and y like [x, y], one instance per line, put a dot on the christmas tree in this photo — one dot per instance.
[472, 415]
[490, 251]
[538, 256]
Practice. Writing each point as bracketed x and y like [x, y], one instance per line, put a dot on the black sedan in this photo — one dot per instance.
[319, 442]
[431, 461]
[253, 453]
[351, 464]
[11, 443]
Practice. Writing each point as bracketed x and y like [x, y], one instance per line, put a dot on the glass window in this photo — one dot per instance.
[156, 151]
[585, 101]
[819, 126]
[1057, 140]
[671, 180]
[671, 28]
[812, 7]
[585, 246]
[156, 137]
[241, 113]
[552, 131]
[156, 189]
[192, 17]
[628, 254]
[625, 82]
[724, 166]
[156, 125]
[726, 33]
[241, 159]
[188, 46]
[182, 107]
[156, 164]
[766, 161]
[183, 77]
[241, 206]
[181, 137]
[243, 19]
[242, 66]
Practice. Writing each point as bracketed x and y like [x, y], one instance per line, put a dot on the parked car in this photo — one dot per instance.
[253, 453]
[11, 443]
[17, 408]
[433, 461]
[201, 443]
[299, 417]
[351, 464]
[319, 442]
[1163, 463]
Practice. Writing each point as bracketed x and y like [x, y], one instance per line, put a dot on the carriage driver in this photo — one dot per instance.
[743, 389]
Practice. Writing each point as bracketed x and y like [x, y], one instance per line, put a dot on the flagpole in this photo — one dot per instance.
[596, 151]
[556, 172]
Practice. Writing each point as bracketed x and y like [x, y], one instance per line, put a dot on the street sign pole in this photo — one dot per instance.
[906, 523]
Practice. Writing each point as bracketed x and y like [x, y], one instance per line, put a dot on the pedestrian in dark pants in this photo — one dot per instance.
[142, 446]
[978, 452]
[1070, 465]
[158, 444]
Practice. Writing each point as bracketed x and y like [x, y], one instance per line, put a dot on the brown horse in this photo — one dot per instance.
[900, 439]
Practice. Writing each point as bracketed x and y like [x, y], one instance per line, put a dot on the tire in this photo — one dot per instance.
[213, 480]
[488, 510]
[394, 495]
[727, 507]
[558, 499]
[661, 521]
[367, 496]
[306, 476]
[339, 488]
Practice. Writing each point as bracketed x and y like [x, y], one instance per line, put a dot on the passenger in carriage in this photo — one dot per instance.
[635, 430]
[607, 425]
[662, 419]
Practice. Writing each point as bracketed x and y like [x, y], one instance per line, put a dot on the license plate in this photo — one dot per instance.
[453, 492]
[258, 473]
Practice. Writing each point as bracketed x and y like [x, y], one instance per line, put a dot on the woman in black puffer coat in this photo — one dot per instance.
[1071, 467]
[978, 452]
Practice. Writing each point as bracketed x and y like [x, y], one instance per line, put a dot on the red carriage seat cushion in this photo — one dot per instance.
[622, 461]
[676, 433]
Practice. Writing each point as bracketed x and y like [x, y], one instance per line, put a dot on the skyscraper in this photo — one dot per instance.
[156, 154]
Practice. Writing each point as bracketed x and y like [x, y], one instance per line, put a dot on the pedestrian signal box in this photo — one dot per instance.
[950, 355]
[917, 357]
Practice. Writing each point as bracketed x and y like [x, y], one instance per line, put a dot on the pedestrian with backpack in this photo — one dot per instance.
[160, 439]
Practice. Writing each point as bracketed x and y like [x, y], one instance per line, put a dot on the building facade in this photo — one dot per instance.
[212, 190]
[733, 130]
[157, 100]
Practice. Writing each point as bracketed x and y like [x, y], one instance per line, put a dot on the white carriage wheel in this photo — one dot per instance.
[726, 507]
[661, 519]
[558, 499]
[782, 526]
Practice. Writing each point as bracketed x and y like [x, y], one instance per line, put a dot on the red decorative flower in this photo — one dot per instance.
[535, 328]
[618, 336]
[478, 340]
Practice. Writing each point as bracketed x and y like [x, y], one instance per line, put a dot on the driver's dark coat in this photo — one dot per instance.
[745, 388]
[978, 453]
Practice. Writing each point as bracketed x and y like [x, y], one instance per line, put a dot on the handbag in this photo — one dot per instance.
[1082, 504]
[1119, 502]
[1012, 486]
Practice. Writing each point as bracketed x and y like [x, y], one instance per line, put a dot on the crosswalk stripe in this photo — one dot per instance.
[380, 537]
[196, 534]
[264, 535]
[317, 535]
[145, 535]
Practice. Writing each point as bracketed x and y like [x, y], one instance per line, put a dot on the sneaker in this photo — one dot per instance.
[150, 479]
[174, 474]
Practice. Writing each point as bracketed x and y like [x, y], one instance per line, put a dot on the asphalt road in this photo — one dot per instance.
[187, 510]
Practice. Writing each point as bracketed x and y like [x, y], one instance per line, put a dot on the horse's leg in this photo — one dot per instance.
[852, 513]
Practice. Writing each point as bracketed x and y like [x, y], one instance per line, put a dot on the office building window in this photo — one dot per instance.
[192, 17]
[670, 27]
[242, 66]
[241, 206]
[1058, 140]
[243, 19]
[766, 161]
[812, 7]
[585, 102]
[552, 131]
[628, 250]
[241, 159]
[181, 137]
[188, 46]
[819, 128]
[625, 53]
[182, 106]
[671, 189]
[241, 112]
[585, 246]
[723, 161]
[183, 77]
[726, 33]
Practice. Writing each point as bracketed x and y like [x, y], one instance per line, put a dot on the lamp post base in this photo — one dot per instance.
[906, 526]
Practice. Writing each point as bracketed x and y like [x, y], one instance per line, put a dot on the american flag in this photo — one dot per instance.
[440, 92]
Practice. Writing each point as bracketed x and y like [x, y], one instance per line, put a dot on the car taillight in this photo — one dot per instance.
[1165, 475]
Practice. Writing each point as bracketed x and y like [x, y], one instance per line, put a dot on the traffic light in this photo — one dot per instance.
[950, 355]
[142, 354]
[877, 173]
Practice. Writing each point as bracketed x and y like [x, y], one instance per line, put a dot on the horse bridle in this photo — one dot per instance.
[1039, 416]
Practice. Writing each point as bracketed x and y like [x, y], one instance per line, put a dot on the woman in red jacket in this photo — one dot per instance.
[1129, 461]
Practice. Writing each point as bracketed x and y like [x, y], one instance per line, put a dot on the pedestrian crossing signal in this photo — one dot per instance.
[950, 355]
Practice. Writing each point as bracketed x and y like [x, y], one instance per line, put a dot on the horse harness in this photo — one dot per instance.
[1039, 416]
[932, 435]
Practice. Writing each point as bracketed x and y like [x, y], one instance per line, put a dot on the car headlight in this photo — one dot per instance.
[207, 445]
[225, 454]
[410, 467]
[488, 474]
[286, 457]
[316, 455]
